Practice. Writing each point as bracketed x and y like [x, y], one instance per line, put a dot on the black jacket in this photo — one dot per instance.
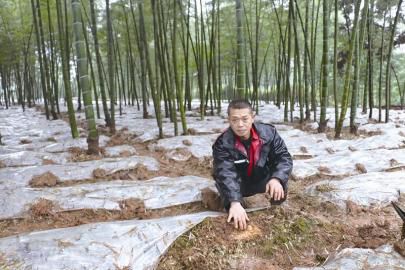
[231, 178]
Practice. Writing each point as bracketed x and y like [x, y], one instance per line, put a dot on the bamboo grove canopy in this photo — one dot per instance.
[102, 56]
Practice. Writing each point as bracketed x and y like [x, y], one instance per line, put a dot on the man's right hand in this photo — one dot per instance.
[238, 213]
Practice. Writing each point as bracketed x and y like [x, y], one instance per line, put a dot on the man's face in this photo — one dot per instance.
[241, 121]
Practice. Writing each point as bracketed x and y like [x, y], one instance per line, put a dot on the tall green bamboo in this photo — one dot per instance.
[54, 66]
[81, 59]
[335, 56]
[388, 69]
[131, 67]
[49, 91]
[357, 65]
[325, 49]
[297, 67]
[288, 94]
[240, 49]
[365, 88]
[99, 64]
[41, 68]
[370, 74]
[345, 97]
[110, 52]
[179, 89]
[152, 82]
[381, 68]
[142, 60]
[314, 31]
[306, 60]
[93, 77]
[254, 52]
[219, 59]
[65, 71]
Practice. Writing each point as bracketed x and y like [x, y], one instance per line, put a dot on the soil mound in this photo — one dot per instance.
[42, 208]
[47, 179]
[25, 141]
[131, 207]
[119, 138]
[78, 154]
[46, 161]
[258, 200]
[187, 142]
[141, 172]
[99, 173]
[361, 168]
[211, 200]
[399, 247]
[179, 154]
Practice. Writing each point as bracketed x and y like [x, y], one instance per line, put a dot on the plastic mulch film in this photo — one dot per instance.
[383, 257]
[155, 193]
[136, 244]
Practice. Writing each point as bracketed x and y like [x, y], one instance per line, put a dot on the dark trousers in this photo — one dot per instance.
[248, 190]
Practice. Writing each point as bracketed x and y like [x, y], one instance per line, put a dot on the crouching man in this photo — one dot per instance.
[249, 158]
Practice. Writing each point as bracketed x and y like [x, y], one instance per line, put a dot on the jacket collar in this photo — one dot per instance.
[264, 133]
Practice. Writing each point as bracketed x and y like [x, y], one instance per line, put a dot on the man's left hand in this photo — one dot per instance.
[275, 189]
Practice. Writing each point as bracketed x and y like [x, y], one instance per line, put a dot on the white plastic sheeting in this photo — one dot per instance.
[118, 150]
[319, 144]
[30, 130]
[36, 146]
[361, 119]
[31, 125]
[377, 127]
[390, 139]
[302, 144]
[156, 193]
[199, 146]
[210, 124]
[119, 244]
[378, 188]
[150, 131]
[384, 257]
[344, 162]
[14, 177]
[65, 144]
[31, 158]
[29, 139]
[136, 244]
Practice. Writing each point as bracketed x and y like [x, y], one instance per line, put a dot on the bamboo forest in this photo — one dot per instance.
[112, 113]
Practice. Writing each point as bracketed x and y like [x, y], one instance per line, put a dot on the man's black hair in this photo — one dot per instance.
[239, 104]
